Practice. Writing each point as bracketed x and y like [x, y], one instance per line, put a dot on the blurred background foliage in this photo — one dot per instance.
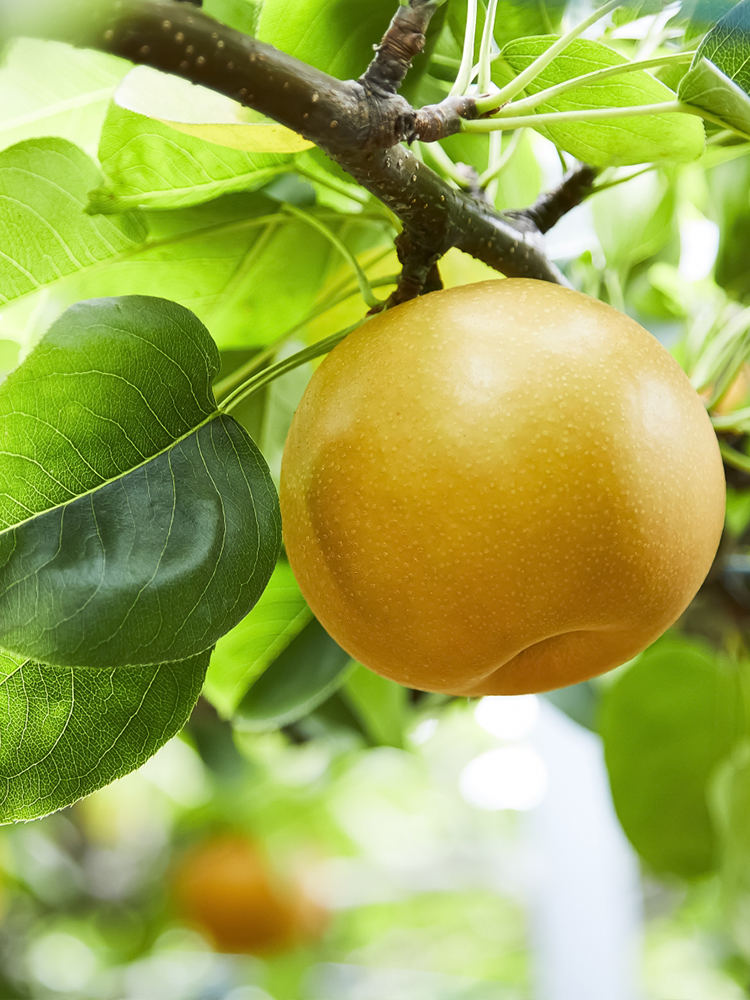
[397, 840]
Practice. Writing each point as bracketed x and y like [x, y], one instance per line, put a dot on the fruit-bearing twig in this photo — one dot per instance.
[360, 129]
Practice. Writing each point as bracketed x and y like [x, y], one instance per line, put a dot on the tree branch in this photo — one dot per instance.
[404, 39]
[358, 128]
[551, 206]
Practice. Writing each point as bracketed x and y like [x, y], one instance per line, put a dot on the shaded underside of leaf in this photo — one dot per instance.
[64, 732]
[727, 45]
[244, 653]
[379, 703]
[667, 723]
[706, 87]
[703, 15]
[307, 672]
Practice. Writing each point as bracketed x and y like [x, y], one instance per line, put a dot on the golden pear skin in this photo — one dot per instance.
[502, 488]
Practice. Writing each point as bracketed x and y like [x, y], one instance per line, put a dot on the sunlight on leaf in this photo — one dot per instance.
[621, 141]
[202, 113]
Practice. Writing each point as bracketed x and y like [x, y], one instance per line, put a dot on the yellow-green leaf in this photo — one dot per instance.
[202, 113]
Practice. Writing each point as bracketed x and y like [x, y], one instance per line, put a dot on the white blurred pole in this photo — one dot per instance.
[586, 904]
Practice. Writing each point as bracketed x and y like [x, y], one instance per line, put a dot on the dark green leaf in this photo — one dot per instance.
[244, 653]
[137, 523]
[640, 139]
[67, 731]
[307, 672]
[667, 723]
[719, 77]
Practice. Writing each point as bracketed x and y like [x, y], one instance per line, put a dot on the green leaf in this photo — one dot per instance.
[578, 701]
[244, 653]
[149, 164]
[44, 232]
[240, 14]
[380, 705]
[521, 181]
[621, 141]
[137, 523]
[729, 184]
[308, 671]
[637, 8]
[719, 78]
[227, 261]
[635, 220]
[69, 730]
[335, 36]
[515, 19]
[706, 87]
[9, 350]
[727, 45]
[204, 114]
[51, 89]
[667, 722]
[283, 398]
